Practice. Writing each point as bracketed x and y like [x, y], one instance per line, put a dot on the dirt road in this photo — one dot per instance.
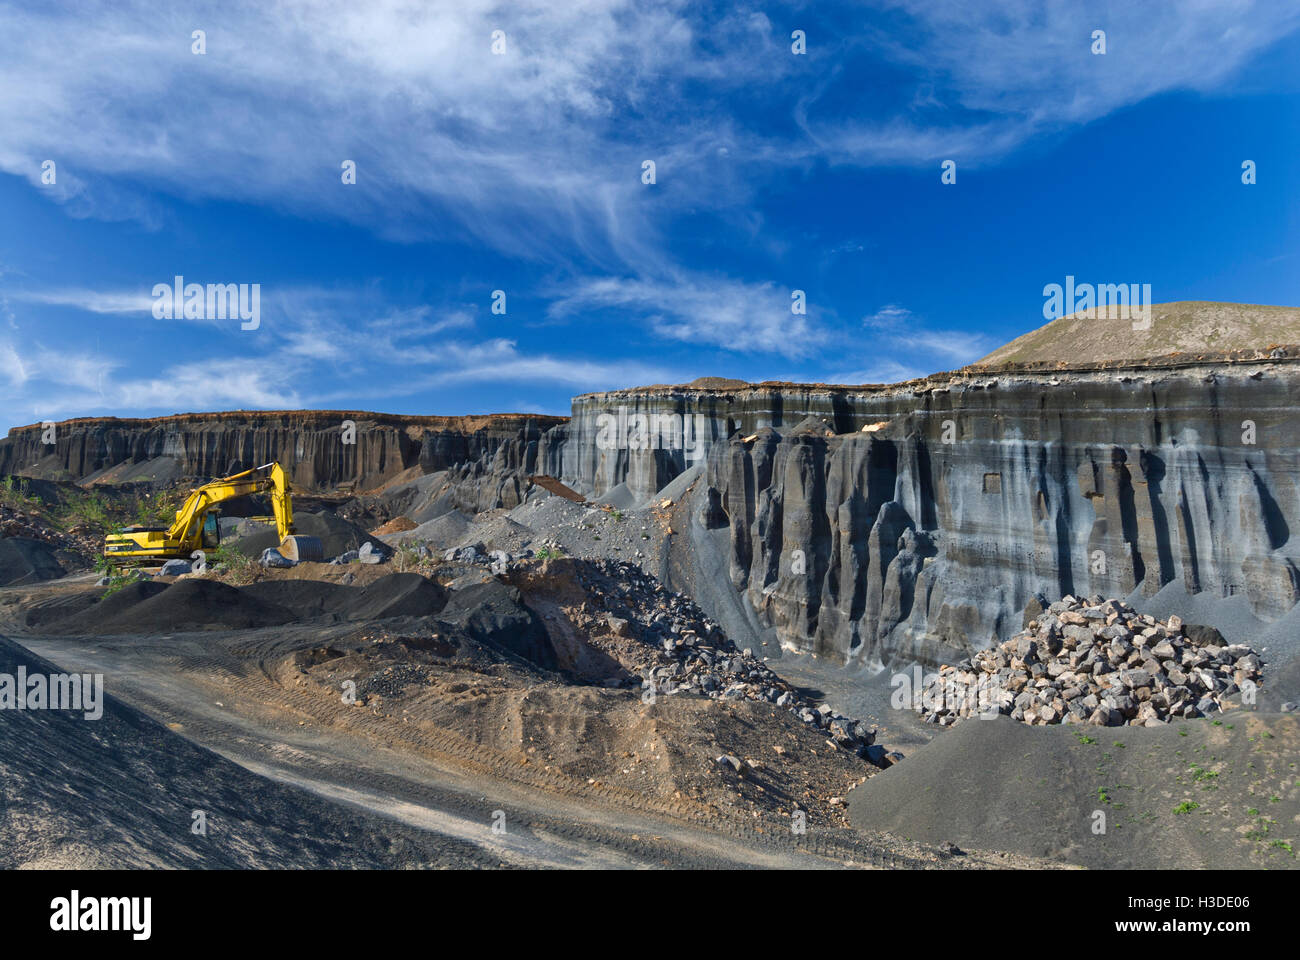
[206, 689]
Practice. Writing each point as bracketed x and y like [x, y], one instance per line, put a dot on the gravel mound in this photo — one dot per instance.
[1175, 796]
[195, 604]
[495, 614]
[146, 607]
[305, 598]
[678, 650]
[24, 561]
[120, 791]
[441, 532]
[566, 528]
[548, 513]
[336, 535]
[619, 497]
[421, 499]
[434, 508]
[499, 533]
[87, 618]
[396, 595]
[1101, 663]
[47, 610]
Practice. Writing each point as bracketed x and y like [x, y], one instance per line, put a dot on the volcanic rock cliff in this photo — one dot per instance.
[967, 495]
[906, 521]
[313, 445]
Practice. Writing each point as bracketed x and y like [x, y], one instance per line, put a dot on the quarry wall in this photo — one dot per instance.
[974, 493]
[966, 496]
[311, 445]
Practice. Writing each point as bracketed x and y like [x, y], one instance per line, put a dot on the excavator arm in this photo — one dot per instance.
[189, 518]
[185, 535]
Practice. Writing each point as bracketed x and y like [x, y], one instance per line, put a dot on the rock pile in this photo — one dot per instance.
[688, 653]
[271, 557]
[1099, 662]
[79, 541]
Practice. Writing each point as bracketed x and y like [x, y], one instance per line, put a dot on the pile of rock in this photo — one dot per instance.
[688, 653]
[368, 553]
[271, 557]
[1096, 662]
[79, 540]
[477, 554]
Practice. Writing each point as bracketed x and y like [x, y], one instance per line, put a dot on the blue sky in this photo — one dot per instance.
[522, 172]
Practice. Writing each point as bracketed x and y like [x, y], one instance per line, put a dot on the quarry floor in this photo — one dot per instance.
[289, 776]
[489, 766]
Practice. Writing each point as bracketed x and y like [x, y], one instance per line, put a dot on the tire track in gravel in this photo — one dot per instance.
[249, 720]
[432, 778]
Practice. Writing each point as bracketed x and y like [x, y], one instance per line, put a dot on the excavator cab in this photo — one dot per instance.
[211, 536]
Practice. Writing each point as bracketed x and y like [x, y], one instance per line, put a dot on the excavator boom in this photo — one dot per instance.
[195, 526]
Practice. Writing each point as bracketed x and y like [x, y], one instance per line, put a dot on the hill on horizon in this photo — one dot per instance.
[1183, 326]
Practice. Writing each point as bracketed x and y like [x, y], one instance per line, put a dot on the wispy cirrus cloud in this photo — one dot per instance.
[887, 371]
[537, 151]
[534, 152]
[342, 345]
[890, 316]
[92, 301]
[902, 331]
[987, 78]
[741, 317]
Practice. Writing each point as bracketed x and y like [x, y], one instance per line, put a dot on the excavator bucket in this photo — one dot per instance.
[302, 548]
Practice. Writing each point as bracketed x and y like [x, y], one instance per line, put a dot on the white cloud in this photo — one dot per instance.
[989, 77]
[219, 384]
[92, 301]
[332, 354]
[890, 315]
[529, 152]
[64, 368]
[12, 367]
[897, 329]
[55, 384]
[538, 152]
[738, 316]
[954, 347]
[887, 371]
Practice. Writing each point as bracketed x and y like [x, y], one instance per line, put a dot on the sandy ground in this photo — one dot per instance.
[578, 776]
[448, 738]
[1193, 795]
[123, 790]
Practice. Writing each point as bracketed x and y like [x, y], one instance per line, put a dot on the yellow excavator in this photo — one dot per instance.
[196, 526]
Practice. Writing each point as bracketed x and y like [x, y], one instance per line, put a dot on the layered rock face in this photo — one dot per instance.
[975, 493]
[647, 436]
[311, 444]
[925, 534]
[499, 476]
